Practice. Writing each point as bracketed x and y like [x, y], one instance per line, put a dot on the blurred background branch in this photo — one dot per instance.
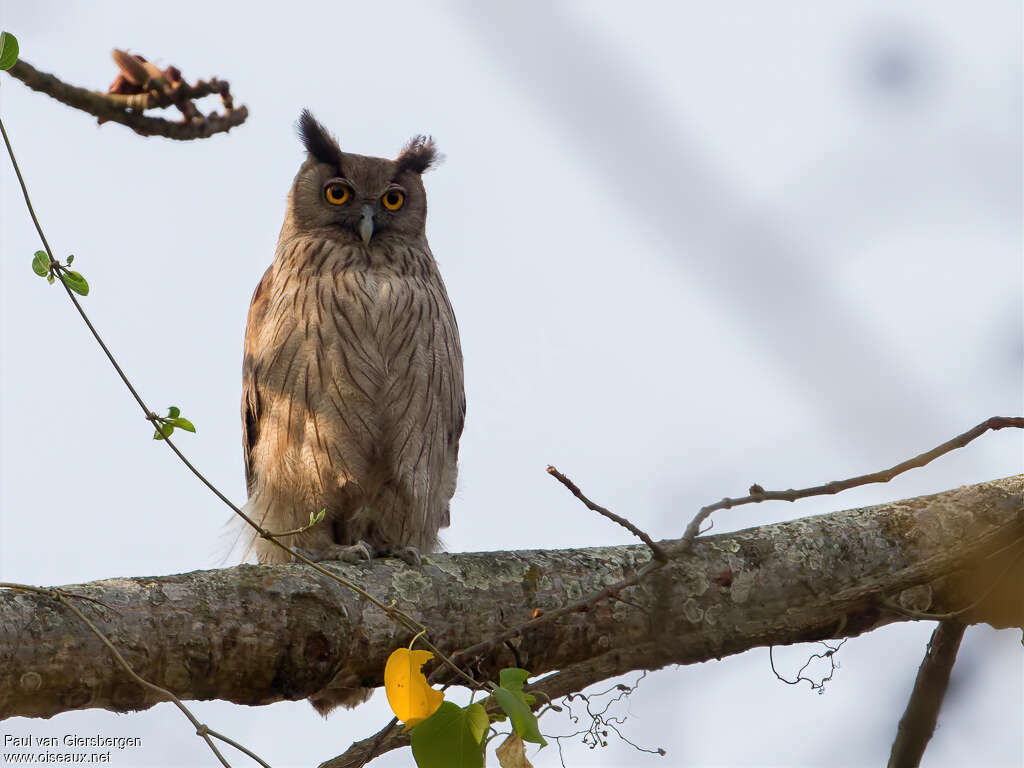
[922, 713]
[138, 88]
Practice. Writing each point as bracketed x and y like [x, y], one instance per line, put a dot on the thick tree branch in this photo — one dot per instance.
[922, 713]
[258, 634]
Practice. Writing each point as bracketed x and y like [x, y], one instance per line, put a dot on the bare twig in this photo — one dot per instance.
[363, 751]
[121, 108]
[657, 551]
[759, 494]
[922, 712]
[659, 560]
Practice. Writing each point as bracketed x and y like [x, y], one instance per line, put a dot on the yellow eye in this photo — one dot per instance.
[393, 199]
[337, 193]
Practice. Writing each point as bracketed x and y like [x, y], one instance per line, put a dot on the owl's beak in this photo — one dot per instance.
[366, 225]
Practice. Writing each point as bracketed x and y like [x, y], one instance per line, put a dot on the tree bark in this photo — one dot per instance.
[259, 634]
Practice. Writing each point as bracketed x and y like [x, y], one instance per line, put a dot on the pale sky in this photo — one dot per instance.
[689, 248]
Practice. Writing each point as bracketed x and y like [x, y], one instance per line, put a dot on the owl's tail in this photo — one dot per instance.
[330, 698]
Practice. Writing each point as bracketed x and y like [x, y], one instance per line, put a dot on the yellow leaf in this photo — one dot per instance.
[409, 695]
[512, 753]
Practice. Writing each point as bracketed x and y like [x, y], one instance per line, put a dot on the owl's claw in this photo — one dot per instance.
[360, 552]
[410, 555]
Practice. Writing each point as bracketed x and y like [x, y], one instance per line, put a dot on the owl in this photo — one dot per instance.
[352, 385]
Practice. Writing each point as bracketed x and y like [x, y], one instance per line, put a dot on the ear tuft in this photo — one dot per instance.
[418, 155]
[318, 142]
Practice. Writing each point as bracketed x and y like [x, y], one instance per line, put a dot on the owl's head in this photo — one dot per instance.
[358, 197]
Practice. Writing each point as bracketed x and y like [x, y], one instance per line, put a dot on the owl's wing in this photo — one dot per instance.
[250, 421]
[252, 409]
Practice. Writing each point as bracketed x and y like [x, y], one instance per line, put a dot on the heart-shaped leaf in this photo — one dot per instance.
[447, 739]
[410, 696]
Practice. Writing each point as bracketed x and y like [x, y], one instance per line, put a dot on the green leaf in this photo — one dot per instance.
[478, 721]
[71, 258]
[446, 739]
[317, 517]
[50, 278]
[523, 720]
[76, 283]
[41, 263]
[8, 50]
[513, 678]
[182, 423]
[516, 703]
[175, 419]
[162, 431]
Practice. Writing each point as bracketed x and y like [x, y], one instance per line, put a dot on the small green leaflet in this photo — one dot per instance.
[41, 263]
[447, 739]
[8, 50]
[175, 419]
[162, 431]
[76, 282]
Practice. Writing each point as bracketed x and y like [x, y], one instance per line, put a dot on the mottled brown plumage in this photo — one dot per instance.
[352, 381]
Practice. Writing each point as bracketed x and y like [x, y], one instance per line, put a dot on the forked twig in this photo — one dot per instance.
[656, 550]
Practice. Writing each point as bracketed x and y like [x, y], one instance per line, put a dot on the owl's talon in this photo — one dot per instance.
[360, 552]
[410, 555]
